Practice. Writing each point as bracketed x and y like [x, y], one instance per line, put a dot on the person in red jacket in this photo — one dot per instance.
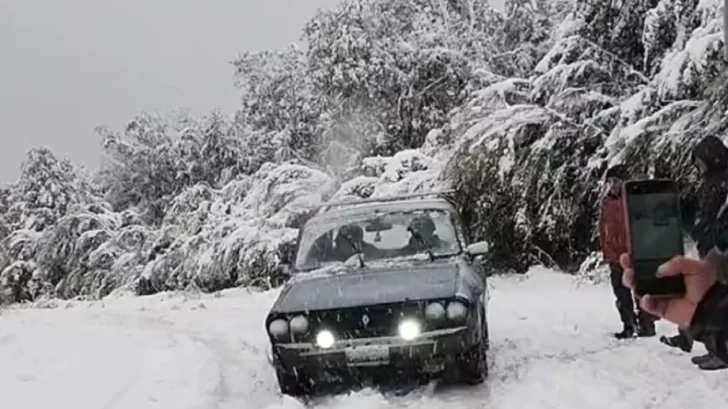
[613, 241]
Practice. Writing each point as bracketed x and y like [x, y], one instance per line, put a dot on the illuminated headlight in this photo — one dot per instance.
[325, 339]
[278, 328]
[409, 329]
[299, 325]
[456, 311]
[434, 311]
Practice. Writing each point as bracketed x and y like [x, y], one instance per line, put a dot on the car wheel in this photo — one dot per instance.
[292, 384]
[473, 365]
[486, 338]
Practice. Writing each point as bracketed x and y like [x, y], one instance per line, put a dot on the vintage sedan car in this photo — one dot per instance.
[384, 287]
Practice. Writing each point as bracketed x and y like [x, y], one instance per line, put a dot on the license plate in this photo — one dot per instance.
[367, 355]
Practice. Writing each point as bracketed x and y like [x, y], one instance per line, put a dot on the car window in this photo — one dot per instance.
[380, 236]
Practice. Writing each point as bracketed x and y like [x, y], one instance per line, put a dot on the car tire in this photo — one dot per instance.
[473, 365]
[293, 385]
[486, 338]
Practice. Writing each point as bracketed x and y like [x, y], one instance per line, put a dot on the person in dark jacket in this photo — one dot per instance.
[613, 241]
[703, 310]
[350, 241]
[710, 157]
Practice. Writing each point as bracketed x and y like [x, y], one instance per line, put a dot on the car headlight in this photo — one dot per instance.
[278, 328]
[409, 329]
[434, 311]
[299, 325]
[456, 311]
[325, 339]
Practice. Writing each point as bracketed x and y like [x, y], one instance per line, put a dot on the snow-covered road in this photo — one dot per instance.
[550, 349]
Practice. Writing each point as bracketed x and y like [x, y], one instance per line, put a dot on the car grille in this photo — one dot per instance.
[364, 322]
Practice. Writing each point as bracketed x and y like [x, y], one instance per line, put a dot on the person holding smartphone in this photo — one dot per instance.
[613, 242]
[710, 157]
[703, 309]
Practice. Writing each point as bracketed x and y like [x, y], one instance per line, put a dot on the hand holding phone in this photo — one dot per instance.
[654, 228]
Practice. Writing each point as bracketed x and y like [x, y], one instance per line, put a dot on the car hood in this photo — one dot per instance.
[372, 286]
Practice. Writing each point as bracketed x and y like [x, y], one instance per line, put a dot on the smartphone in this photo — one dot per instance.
[654, 230]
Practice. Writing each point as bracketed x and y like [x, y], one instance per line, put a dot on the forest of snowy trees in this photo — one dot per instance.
[520, 112]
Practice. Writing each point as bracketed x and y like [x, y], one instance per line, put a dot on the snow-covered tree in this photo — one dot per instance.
[47, 188]
[157, 158]
[46, 192]
[278, 98]
[521, 112]
[611, 89]
[404, 63]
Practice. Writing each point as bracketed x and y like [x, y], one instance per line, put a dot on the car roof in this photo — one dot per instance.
[343, 210]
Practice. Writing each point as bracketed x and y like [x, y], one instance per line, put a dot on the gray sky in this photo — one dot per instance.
[70, 65]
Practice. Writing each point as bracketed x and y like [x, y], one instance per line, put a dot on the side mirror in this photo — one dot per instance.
[478, 249]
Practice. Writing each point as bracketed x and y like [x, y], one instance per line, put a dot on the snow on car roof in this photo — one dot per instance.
[388, 205]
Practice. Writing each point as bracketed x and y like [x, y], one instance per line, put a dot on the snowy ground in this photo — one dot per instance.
[550, 349]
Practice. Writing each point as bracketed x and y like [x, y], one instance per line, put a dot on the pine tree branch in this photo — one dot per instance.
[629, 66]
[566, 119]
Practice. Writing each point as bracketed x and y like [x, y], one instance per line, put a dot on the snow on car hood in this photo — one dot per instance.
[371, 286]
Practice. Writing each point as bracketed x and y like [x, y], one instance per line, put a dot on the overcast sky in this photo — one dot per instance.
[69, 65]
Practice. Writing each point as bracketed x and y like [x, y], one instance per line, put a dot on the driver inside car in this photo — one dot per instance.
[350, 241]
[423, 236]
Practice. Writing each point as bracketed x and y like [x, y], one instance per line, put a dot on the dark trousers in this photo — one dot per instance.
[626, 303]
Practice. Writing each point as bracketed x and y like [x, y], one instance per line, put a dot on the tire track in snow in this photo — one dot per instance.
[131, 378]
[221, 391]
[112, 374]
[239, 383]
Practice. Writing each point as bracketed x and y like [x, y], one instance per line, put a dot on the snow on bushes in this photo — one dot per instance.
[208, 238]
[511, 188]
[520, 113]
[593, 270]
[221, 238]
[688, 71]
[528, 171]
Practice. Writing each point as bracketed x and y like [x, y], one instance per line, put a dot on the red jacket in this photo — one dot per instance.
[612, 229]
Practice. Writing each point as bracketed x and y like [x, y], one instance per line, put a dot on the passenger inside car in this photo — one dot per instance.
[423, 234]
[350, 241]
[381, 237]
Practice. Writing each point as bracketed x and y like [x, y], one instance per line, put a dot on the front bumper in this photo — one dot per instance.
[429, 352]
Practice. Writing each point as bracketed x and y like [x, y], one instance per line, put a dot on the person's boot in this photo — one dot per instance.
[646, 325]
[646, 332]
[627, 332]
[646, 328]
[713, 364]
[697, 360]
[677, 341]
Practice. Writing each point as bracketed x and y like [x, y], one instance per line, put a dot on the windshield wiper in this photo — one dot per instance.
[424, 241]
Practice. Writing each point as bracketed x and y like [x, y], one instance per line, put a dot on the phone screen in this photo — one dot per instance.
[655, 234]
[656, 228]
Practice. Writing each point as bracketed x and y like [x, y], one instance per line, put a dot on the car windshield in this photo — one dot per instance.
[379, 236]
